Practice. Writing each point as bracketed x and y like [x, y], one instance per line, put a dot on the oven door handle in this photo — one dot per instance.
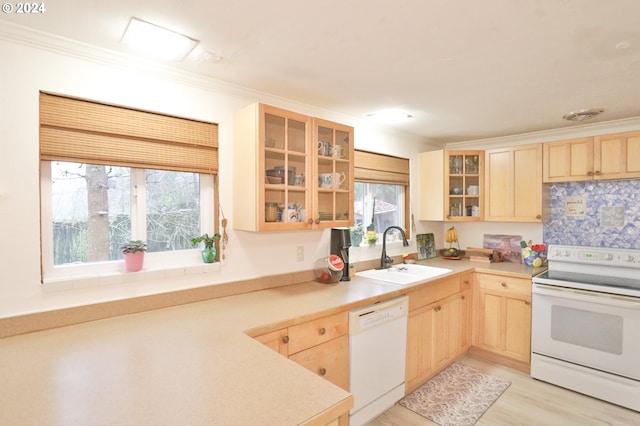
[588, 296]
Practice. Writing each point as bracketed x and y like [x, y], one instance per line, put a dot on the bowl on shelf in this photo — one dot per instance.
[274, 180]
[456, 190]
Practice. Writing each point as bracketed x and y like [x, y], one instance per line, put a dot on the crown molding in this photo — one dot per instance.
[581, 131]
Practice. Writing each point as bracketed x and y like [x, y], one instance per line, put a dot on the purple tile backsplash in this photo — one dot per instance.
[611, 214]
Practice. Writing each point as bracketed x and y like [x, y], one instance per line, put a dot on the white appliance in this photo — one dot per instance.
[377, 347]
[586, 323]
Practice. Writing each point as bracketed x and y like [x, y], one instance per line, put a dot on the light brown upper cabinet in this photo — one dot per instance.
[513, 184]
[614, 156]
[290, 171]
[451, 185]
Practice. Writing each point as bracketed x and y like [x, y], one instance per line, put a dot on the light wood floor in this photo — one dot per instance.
[527, 402]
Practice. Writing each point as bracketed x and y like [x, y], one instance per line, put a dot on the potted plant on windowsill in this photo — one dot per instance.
[133, 252]
[209, 251]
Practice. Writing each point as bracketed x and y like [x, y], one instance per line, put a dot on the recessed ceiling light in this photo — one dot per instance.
[390, 115]
[157, 41]
[583, 114]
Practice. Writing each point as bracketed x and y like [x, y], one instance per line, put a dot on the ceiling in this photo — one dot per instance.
[465, 70]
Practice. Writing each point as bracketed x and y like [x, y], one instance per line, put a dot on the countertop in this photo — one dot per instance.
[188, 364]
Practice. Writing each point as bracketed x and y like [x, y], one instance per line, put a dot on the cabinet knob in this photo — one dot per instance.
[589, 173]
[462, 297]
[466, 281]
[317, 220]
[323, 331]
[323, 371]
[310, 221]
[526, 302]
[538, 216]
[285, 339]
[438, 308]
[597, 173]
[503, 284]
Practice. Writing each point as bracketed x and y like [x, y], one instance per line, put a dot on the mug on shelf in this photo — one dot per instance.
[293, 215]
[338, 179]
[325, 180]
[339, 152]
[324, 148]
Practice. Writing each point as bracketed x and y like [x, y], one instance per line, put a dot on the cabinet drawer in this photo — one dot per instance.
[500, 283]
[312, 333]
[329, 360]
[433, 292]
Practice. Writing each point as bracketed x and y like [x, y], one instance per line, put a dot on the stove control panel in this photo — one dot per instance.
[595, 256]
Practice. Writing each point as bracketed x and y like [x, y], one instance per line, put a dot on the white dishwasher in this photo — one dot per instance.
[377, 349]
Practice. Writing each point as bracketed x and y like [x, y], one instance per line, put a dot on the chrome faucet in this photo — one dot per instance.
[386, 261]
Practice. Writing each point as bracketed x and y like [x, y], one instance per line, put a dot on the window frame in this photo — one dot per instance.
[95, 273]
[385, 169]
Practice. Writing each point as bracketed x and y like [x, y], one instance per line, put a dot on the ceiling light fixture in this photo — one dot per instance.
[583, 114]
[157, 41]
[390, 115]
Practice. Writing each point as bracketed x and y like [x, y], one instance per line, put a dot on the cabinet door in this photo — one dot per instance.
[491, 317]
[419, 364]
[570, 160]
[513, 184]
[617, 156]
[283, 169]
[333, 176]
[272, 164]
[329, 360]
[463, 185]
[517, 312]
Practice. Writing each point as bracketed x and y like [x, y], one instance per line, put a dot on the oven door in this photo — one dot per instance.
[592, 329]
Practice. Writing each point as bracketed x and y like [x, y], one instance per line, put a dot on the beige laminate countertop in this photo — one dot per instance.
[192, 364]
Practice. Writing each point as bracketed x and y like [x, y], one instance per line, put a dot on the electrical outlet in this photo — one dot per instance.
[300, 253]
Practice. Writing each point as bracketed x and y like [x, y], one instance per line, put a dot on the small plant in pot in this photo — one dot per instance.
[133, 254]
[209, 250]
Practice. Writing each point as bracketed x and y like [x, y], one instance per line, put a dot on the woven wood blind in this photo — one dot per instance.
[379, 168]
[88, 132]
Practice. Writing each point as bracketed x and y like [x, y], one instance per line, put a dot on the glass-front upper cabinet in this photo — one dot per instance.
[334, 152]
[291, 171]
[463, 185]
[272, 167]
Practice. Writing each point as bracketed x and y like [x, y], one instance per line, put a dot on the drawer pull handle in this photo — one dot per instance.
[323, 371]
[323, 331]
[526, 302]
[285, 339]
[503, 284]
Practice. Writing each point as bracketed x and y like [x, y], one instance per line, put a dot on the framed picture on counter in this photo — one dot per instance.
[426, 246]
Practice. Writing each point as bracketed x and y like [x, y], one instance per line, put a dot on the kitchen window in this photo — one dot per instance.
[111, 174]
[382, 180]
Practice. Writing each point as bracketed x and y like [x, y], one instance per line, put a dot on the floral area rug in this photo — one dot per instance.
[457, 396]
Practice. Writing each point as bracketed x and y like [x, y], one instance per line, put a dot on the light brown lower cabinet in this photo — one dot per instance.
[504, 316]
[320, 345]
[329, 360]
[438, 328]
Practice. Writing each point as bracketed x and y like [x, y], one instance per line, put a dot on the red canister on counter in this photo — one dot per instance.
[329, 269]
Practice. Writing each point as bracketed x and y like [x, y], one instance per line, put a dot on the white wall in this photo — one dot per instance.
[73, 70]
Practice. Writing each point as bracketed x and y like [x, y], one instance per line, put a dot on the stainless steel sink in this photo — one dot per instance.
[404, 274]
